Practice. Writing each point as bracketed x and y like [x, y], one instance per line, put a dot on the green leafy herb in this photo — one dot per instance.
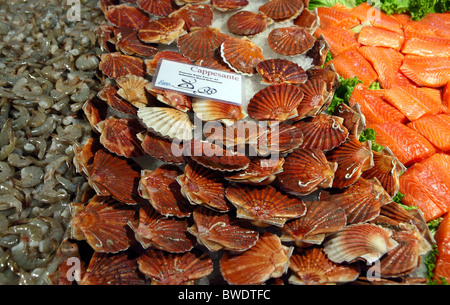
[329, 3]
[434, 224]
[375, 86]
[398, 197]
[430, 263]
[370, 134]
[343, 92]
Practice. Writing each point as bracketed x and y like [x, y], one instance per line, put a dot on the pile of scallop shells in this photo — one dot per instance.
[296, 200]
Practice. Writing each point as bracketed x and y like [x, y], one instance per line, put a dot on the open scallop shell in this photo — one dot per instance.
[202, 186]
[236, 136]
[132, 89]
[84, 155]
[127, 42]
[279, 139]
[152, 64]
[319, 51]
[305, 171]
[167, 122]
[103, 223]
[197, 15]
[162, 149]
[156, 231]
[117, 64]
[261, 171]
[363, 241]
[127, 16]
[354, 120]
[247, 23]
[228, 5]
[268, 258]
[172, 98]
[275, 102]
[314, 98]
[328, 75]
[264, 205]
[217, 231]
[323, 131]
[241, 54]
[161, 8]
[108, 93]
[276, 71]
[209, 110]
[311, 266]
[308, 19]
[164, 30]
[321, 218]
[201, 42]
[163, 192]
[282, 10]
[95, 110]
[174, 268]
[290, 41]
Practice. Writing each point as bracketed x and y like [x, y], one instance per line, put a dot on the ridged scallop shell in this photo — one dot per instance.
[279, 139]
[276, 71]
[282, 10]
[174, 268]
[105, 35]
[247, 23]
[275, 102]
[156, 231]
[199, 15]
[323, 132]
[228, 5]
[364, 241]
[127, 16]
[387, 169]
[151, 64]
[353, 158]
[108, 93]
[289, 41]
[308, 19]
[95, 110]
[202, 186]
[361, 201]
[241, 54]
[164, 30]
[354, 120]
[328, 75]
[162, 149]
[261, 171]
[218, 231]
[161, 8]
[167, 122]
[209, 110]
[201, 42]
[127, 42]
[268, 258]
[104, 224]
[132, 89]
[319, 51]
[119, 136]
[186, 2]
[237, 135]
[314, 98]
[117, 64]
[162, 190]
[305, 171]
[112, 269]
[172, 98]
[321, 218]
[311, 266]
[214, 63]
[264, 205]
[84, 155]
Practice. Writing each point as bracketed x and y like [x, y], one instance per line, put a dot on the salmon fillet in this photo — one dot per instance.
[436, 128]
[426, 71]
[372, 36]
[366, 12]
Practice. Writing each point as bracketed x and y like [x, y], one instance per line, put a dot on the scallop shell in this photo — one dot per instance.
[84, 155]
[279, 139]
[321, 219]
[161, 8]
[363, 241]
[314, 98]
[361, 201]
[105, 34]
[95, 110]
[103, 222]
[323, 132]
[354, 120]
[247, 23]
[156, 231]
[311, 266]
[214, 63]
[202, 186]
[201, 42]
[235, 136]
[241, 54]
[186, 2]
[308, 19]
[387, 169]
[291, 40]
[164, 30]
[112, 269]
[162, 149]
[132, 89]
[167, 122]
[275, 102]
[199, 15]
[228, 5]
[353, 158]
[217, 231]
[261, 171]
[174, 268]
[268, 258]
[276, 71]
[127, 42]
[108, 93]
[172, 98]
[127, 16]
[319, 51]
[119, 136]
[328, 75]
[209, 110]
[264, 205]
[282, 10]
[151, 64]
[162, 190]
[305, 171]
[117, 64]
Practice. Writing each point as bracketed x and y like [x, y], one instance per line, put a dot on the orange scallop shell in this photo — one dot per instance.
[305, 171]
[164, 30]
[104, 224]
[84, 155]
[354, 120]
[127, 42]
[314, 98]
[172, 98]
[279, 139]
[201, 42]
[261, 171]
[275, 102]
[241, 54]
[236, 135]
[199, 15]
[162, 190]
[308, 19]
[127, 16]
[264, 205]
[328, 75]
[268, 258]
[210, 110]
[105, 34]
[162, 149]
[228, 5]
[132, 89]
[247, 23]
[95, 110]
[151, 64]
[319, 51]
[311, 266]
[157, 7]
[214, 63]
[276, 71]
[108, 93]
[174, 268]
[292, 40]
[117, 64]
[282, 10]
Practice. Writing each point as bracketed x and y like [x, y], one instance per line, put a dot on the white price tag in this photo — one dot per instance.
[199, 81]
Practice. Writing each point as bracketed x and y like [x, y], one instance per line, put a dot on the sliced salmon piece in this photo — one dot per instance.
[446, 98]
[408, 145]
[416, 43]
[330, 16]
[403, 19]
[387, 63]
[374, 108]
[366, 12]
[412, 102]
[338, 39]
[436, 128]
[442, 238]
[433, 24]
[351, 63]
[426, 71]
[372, 36]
